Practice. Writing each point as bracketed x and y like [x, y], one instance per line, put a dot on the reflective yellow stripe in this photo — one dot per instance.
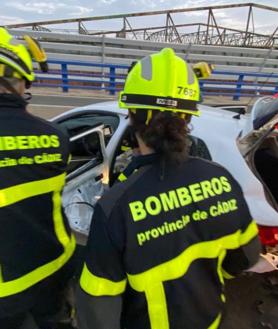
[178, 266]
[20, 192]
[122, 177]
[40, 273]
[227, 275]
[148, 281]
[149, 116]
[220, 272]
[125, 148]
[219, 266]
[59, 226]
[248, 234]
[157, 306]
[2, 70]
[215, 323]
[97, 286]
[1, 276]
[244, 239]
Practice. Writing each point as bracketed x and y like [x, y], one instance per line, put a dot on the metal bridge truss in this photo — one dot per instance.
[209, 33]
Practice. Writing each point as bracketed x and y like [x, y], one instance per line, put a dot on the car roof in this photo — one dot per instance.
[112, 106]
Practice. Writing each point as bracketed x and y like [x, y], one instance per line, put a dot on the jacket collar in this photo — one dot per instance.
[12, 101]
[136, 163]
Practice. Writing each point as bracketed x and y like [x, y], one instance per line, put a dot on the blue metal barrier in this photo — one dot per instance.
[238, 87]
[110, 77]
[71, 76]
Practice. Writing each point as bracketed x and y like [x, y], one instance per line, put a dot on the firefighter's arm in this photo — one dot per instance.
[103, 279]
[247, 247]
[98, 312]
[242, 258]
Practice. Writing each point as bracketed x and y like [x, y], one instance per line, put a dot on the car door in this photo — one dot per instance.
[87, 178]
[258, 143]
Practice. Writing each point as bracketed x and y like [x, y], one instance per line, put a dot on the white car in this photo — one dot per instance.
[245, 144]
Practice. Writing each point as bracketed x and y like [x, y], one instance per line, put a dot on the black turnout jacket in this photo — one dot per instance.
[160, 246]
[35, 238]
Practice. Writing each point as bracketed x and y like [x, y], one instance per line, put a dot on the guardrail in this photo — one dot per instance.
[69, 75]
[241, 84]
[110, 77]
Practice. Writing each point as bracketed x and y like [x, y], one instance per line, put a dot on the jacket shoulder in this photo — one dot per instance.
[118, 191]
[51, 126]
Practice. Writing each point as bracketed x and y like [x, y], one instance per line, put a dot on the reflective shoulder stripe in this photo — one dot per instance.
[97, 286]
[122, 177]
[18, 285]
[151, 281]
[179, 265]
[20, 192]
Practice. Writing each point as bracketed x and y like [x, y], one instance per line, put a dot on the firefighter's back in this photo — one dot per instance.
[177, 232]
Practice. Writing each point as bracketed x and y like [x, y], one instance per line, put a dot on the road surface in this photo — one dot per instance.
[48, 106]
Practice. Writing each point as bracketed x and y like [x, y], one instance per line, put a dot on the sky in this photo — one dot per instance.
[19, 11]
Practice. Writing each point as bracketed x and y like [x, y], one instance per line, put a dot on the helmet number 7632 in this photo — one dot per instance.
[186, 91]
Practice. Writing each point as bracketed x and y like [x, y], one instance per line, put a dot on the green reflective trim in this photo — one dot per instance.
[151, 281]
[219, 266]
[216, 322]
[1, 276]
[125, 148]
[58, 219]
[26, 281]
[20, 192]
[248, 234]
[157, 306]
[209, 249]
[97, 286]
[122, 177]
[227, 275]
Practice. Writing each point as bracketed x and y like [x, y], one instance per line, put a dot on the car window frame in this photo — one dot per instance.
[91, 163]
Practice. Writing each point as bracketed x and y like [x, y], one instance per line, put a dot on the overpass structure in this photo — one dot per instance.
[182, 26]
[109, 50]
[253, 56]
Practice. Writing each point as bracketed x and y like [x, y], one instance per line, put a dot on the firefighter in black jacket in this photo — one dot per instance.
[35, 239]
[162, 241]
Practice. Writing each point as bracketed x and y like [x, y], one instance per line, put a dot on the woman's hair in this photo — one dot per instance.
[166, 133]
